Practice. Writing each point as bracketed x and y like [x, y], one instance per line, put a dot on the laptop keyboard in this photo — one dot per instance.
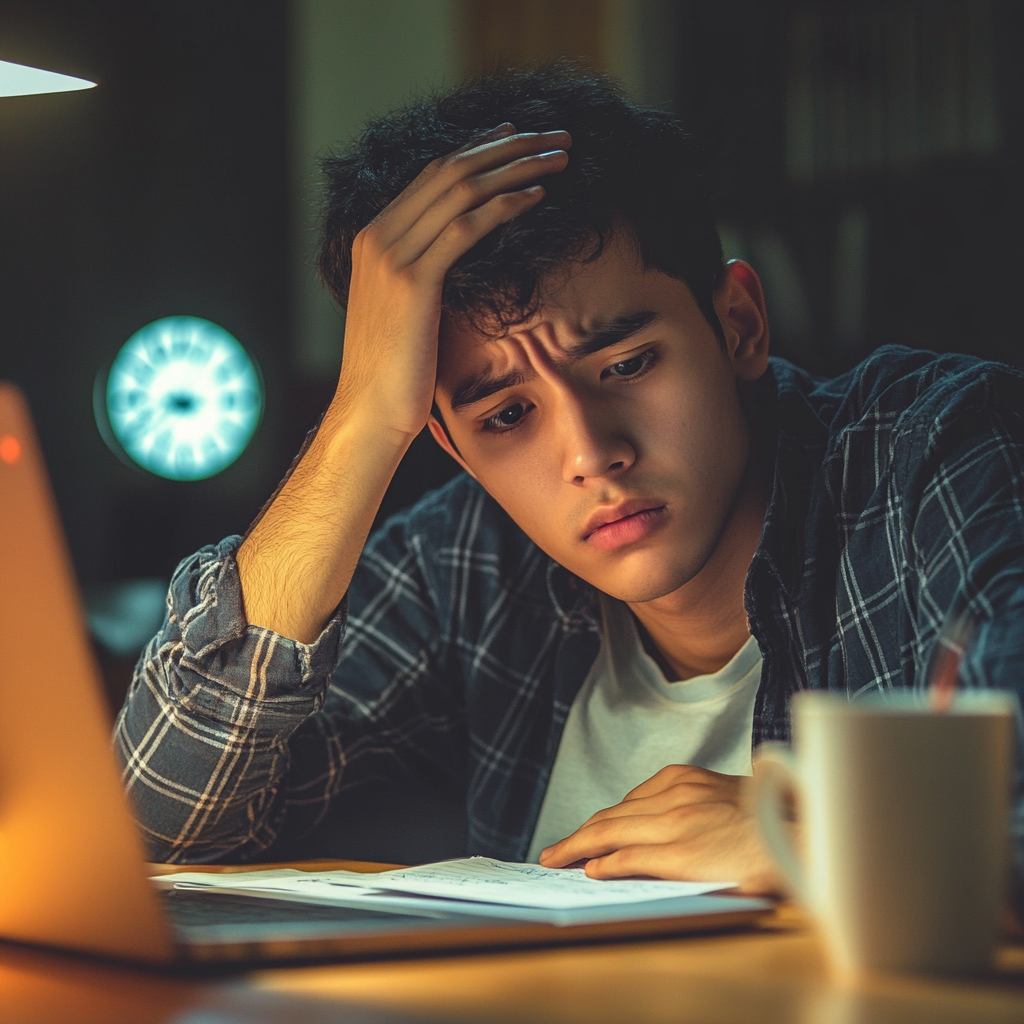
[193, 910]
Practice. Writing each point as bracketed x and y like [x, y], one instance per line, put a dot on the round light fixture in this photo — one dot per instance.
[183, 398]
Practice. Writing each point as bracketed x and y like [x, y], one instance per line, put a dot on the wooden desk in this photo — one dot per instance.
[774, 974]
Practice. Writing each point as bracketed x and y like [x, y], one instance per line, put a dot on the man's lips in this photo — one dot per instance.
[630, 521]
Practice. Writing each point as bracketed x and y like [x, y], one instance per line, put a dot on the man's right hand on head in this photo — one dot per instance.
[296, 563]
[399, 262]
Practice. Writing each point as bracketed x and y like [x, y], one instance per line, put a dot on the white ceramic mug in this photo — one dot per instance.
[903, 818]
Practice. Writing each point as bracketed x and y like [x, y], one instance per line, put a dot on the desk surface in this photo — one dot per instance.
[775, 974]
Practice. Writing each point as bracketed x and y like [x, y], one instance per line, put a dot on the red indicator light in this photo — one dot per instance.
[10, 449]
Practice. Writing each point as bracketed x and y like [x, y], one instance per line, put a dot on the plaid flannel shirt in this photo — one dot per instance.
[896, 501]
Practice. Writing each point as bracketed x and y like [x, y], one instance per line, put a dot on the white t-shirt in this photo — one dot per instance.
[628, 722]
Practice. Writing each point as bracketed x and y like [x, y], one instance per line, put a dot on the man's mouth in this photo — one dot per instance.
[623, 524]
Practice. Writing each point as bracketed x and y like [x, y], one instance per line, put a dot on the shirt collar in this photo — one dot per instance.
[790, 439]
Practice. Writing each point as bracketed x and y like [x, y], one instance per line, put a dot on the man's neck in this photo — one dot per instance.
[698, 628]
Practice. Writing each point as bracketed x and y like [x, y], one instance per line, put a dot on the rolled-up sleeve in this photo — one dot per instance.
[203, 736]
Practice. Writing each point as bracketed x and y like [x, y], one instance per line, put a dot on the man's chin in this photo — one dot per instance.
[639, 583]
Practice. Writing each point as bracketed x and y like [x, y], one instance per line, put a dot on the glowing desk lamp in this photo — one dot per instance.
[20, 80]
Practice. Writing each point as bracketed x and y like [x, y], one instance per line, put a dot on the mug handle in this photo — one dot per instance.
[775, 776]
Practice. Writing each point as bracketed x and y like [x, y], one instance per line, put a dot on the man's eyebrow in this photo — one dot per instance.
[477, 388]
[603, 335]
[611, 332]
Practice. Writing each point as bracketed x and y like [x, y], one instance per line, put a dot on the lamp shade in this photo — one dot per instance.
[20, 80]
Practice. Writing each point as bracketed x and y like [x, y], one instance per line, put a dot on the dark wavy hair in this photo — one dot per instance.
[628, 166]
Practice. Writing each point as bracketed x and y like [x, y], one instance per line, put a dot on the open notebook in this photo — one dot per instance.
[71, 859]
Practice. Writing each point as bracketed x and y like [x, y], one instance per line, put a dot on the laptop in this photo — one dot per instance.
[72, 865]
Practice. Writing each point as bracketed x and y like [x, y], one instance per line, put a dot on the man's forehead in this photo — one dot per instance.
[550, 319]
[575, 333]
[574, 300]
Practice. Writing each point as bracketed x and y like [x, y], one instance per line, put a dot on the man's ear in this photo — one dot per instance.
[440, 435]
[739, 303]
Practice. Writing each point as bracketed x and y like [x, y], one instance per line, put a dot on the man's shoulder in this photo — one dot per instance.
[903, 390]
[457, 545]
[458, 512]
[458, 524]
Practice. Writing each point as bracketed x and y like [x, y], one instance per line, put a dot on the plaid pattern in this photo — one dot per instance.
[896, 501]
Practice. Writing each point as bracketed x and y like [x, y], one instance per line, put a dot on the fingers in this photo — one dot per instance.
[676, 802]
[470, 193]
[661, 861]
[403, 210]
[465, 231]
[599, 839]
[681, 795]
[737, 857]
[500, 131]
[443, 174]
[490, 155]
[604, 837]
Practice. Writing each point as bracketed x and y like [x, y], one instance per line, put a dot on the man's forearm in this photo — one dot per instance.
[298, 560]
[296, 564]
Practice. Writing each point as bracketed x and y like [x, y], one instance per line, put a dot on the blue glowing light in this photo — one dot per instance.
[183, 398]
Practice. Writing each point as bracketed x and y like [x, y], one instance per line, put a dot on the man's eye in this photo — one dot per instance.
[630, 367]
[506, 418]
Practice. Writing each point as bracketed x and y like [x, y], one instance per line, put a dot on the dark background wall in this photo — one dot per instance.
[165, 191]
[902, 120]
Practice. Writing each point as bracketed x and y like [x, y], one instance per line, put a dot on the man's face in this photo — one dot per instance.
[608, 426]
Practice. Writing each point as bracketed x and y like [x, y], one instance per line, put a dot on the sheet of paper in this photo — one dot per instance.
[484, 880]
[281, 879]
[476, 879]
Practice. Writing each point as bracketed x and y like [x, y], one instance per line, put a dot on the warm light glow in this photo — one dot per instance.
[183, 398]
[10, 449]
[21, 80]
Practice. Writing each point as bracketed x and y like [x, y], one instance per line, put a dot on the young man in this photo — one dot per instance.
[660, 534]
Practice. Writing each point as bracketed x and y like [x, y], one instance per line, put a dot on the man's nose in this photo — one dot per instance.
[594, 445]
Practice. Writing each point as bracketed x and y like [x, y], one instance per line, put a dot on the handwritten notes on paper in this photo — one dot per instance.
[475, 879]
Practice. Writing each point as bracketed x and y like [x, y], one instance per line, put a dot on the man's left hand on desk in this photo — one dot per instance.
[685, 823]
